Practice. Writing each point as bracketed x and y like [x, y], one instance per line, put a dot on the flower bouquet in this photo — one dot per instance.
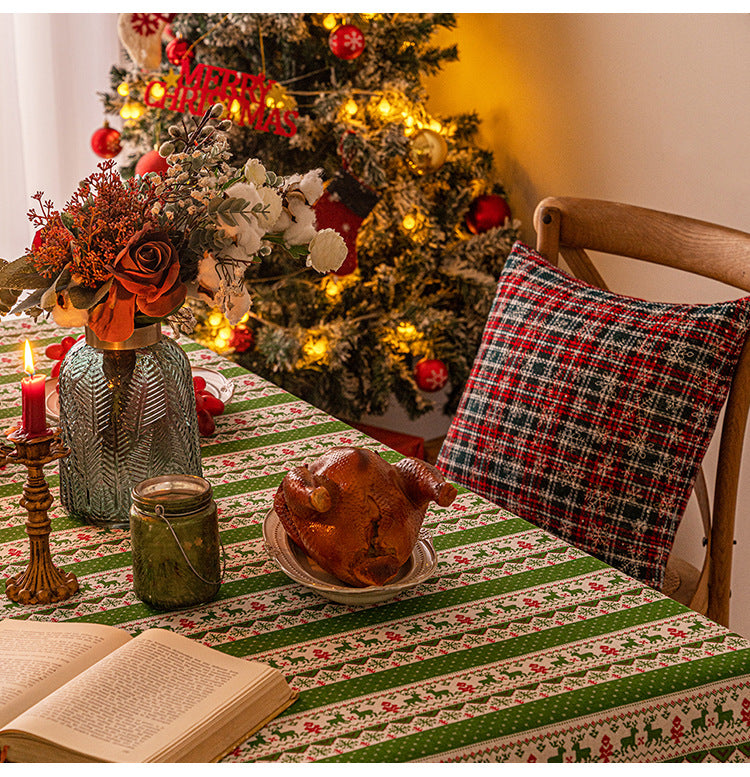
[125, 255]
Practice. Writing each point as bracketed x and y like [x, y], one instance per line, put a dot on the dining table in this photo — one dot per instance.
[506, 644]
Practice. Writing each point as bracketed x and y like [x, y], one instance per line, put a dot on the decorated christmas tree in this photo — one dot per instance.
[426, 223]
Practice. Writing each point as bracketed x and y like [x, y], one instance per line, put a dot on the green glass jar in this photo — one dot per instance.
[174, 533]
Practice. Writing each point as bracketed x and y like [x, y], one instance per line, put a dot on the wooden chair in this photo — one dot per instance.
[569, 226]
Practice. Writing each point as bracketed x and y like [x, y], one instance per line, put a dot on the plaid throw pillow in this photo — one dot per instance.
[588, 413]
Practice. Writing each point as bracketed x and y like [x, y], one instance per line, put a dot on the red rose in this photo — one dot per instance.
[145, 273]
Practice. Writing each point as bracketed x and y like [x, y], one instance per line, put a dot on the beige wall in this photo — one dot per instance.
[650, 109]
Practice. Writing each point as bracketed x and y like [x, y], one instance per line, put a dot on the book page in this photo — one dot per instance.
[155, 689]
[37, 657]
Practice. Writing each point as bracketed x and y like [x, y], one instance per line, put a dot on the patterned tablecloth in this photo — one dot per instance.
[520, 648]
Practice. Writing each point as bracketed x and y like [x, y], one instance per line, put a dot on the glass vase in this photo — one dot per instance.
[127, 413]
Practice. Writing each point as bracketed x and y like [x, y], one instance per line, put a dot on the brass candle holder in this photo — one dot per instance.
[42, 582]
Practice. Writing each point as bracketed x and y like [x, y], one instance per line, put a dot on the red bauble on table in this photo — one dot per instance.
[105, 142]
[347, 41]
[207, 406]
[152, 162]
[431, 374]
[485, 212]
[177, 49]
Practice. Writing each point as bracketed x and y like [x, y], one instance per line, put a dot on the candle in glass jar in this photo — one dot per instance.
[33, 411]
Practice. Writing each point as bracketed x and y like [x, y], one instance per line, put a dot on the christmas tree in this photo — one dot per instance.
[426, 223]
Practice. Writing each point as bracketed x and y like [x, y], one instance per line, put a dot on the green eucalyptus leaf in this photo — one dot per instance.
[48, 300]
[19, 274]
[84, 297]
[64, 280]
[8, 298]
[33, 300]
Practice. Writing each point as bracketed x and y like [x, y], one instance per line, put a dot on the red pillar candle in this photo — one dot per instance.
[33, 410]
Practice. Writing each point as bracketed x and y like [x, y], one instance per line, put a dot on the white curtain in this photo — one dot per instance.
[51, 68]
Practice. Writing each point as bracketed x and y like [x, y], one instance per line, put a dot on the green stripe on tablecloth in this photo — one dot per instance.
[407, 608]
[601, 697]
[15, 377]
[480, 533]
[222, 448]
[503, 649]
[270, 400]
[347, 621]
[262, 440]
[116, 616]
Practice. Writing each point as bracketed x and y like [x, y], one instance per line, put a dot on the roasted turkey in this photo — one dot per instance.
[357, 515]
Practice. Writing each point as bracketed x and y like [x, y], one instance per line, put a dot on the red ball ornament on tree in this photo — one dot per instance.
[105, 142]
[347, 41]
[152, 162]
[486, 212]
[177, 49]
[431, 374]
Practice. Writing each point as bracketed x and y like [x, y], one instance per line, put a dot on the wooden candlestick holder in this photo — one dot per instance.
[42, 582]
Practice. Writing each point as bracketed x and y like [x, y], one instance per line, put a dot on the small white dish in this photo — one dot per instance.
[216, 384]
[295, 563]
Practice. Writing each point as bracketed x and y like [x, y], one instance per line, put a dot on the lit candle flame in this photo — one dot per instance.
[28, 360]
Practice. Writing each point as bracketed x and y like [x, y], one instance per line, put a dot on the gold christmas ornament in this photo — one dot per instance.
[428, 151]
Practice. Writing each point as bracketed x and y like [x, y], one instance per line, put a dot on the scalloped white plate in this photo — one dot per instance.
[294, 562]
[216, 383]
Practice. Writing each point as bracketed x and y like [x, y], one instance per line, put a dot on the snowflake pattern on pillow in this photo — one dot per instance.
[588, 413]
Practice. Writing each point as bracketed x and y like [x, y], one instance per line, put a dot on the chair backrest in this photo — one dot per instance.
[569, 226]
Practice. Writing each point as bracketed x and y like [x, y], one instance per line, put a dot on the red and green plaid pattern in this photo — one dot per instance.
[589, 413]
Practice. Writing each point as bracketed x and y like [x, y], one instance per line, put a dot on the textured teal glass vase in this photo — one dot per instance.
[127, 413]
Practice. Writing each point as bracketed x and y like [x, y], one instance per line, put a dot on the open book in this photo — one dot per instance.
[87, 692]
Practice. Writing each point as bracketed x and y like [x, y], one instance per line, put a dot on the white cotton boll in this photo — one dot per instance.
[302, 228]
[249, 237]
[255, 172]
[64, 314]
[327, 251]
[311, 185]
[283, 222]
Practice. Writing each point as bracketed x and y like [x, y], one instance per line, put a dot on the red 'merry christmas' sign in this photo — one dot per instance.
[243, 93]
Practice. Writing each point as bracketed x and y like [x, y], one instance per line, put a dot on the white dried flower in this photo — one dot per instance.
[208, 276]
[255, 172]
[272, 205]
[327, 251]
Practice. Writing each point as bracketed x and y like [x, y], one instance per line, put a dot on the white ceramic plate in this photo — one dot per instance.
[293, 561]
[216, 383]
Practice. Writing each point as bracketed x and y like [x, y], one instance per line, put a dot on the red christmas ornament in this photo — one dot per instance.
[177, 49]
[347, 41]
[343, 207]
[152, 162]
[105, 142]
[242, 339]
[431, 374]
[486, 212]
